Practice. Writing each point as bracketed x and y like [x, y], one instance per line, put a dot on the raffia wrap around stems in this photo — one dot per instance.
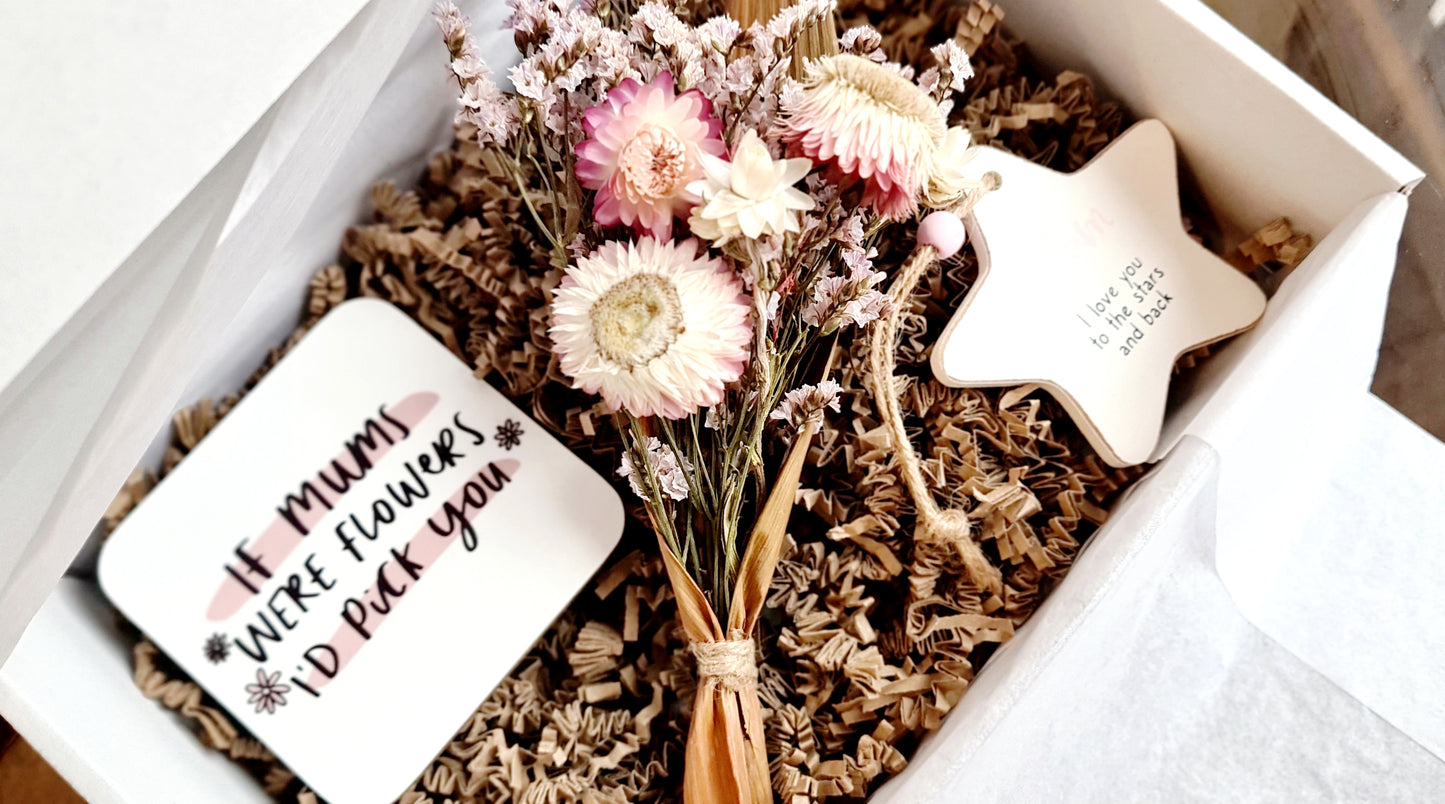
[726, 761]
[949, 526]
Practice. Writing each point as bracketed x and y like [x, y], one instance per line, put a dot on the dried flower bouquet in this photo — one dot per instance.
[713, 194]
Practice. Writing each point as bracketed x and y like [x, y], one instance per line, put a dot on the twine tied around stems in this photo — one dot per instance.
[951, 525]
[731, 661]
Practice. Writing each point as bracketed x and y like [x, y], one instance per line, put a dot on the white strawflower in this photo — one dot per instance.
[751, 196]
[656, 328]
[668, 468]
[948, 181]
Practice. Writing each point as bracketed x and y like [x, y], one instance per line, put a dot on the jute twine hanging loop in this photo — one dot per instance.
[951, 525]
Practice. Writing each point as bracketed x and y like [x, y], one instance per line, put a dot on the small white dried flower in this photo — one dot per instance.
[656, 23]
[953, 63]
[862, 41]
[804, 405]
[452, 22]
[719, 33]
[481, 104]
[860, 262]
[493, 113]
[792, 21]
[578, 248]
[528, 21]
[928, 81]
[611, 57]
[865, 308]
[529, 80]
[769, 251]
[669, 470]
[774, 299]
[851, 234]
[840, 301]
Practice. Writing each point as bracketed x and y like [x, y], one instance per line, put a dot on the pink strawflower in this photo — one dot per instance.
[655, 327]
[871, 122]
[642, 150]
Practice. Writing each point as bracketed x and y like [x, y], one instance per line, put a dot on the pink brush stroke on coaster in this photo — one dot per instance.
[424, 548]
[281, 537]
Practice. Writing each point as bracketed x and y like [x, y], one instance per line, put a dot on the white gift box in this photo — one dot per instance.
[1255, 620]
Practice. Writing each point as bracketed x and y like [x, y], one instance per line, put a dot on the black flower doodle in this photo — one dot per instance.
[268, 692]
[509, 435]
[217, 650]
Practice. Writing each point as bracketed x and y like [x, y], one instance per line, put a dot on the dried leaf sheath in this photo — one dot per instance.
[726, 752]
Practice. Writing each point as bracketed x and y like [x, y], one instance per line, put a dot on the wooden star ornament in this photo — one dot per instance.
[1089, 287]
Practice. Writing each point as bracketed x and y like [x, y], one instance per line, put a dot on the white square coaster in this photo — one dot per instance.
[359, 552]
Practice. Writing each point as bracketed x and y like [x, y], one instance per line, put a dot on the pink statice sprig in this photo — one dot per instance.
[481, 104]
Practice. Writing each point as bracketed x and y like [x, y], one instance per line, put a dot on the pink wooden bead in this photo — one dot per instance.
[944, 231]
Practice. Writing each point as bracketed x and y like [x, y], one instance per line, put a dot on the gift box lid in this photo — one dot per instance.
[138, 141]
[114, 115]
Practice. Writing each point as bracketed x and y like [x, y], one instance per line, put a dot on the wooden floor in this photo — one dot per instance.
[25, 778]
[1383, 61]
[1379, 59]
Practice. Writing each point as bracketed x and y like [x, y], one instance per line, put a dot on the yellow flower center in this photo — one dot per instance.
[654, 163]
[636, 320]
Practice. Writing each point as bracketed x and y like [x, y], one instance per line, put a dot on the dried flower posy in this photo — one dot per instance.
[704, 282]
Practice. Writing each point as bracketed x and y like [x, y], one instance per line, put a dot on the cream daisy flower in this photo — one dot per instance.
[751, 196]
[656, 328]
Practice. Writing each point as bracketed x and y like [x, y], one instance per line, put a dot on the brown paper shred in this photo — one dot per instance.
[400, 209]
[977, 24]
[136, 487]
[869, 638]
[1270, 254]
[277, 779]
[613, 577]
[328, 289]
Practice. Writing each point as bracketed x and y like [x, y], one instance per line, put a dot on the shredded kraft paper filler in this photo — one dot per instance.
[869, 634]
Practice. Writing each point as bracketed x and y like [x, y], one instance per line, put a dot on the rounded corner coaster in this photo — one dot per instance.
[360, 551]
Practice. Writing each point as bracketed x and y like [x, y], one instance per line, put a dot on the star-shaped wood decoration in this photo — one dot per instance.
[1090, 287]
